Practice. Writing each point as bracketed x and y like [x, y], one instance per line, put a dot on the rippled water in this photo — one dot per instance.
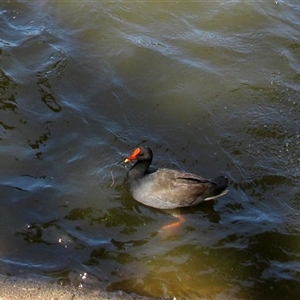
[212, 87]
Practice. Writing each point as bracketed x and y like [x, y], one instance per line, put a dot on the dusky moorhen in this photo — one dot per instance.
[166, 188]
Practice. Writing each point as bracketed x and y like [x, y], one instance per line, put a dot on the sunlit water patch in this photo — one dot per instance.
[211, 87]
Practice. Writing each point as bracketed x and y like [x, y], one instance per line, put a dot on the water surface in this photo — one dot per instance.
[212, 87]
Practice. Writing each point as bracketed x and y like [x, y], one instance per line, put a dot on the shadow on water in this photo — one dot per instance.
[82, 83]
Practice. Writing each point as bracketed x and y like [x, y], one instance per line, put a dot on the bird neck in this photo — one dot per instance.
[140, 168]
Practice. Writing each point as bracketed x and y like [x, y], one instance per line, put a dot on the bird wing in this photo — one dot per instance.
[188, 178]
[175, 179]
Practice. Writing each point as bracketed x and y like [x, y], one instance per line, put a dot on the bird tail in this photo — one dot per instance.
[218, 188]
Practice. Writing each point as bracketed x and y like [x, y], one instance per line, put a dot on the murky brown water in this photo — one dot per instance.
[213, 88]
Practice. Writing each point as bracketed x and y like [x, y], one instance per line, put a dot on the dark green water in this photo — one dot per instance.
[212, 87]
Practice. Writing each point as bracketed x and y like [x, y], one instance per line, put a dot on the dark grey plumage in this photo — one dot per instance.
[167, 188]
